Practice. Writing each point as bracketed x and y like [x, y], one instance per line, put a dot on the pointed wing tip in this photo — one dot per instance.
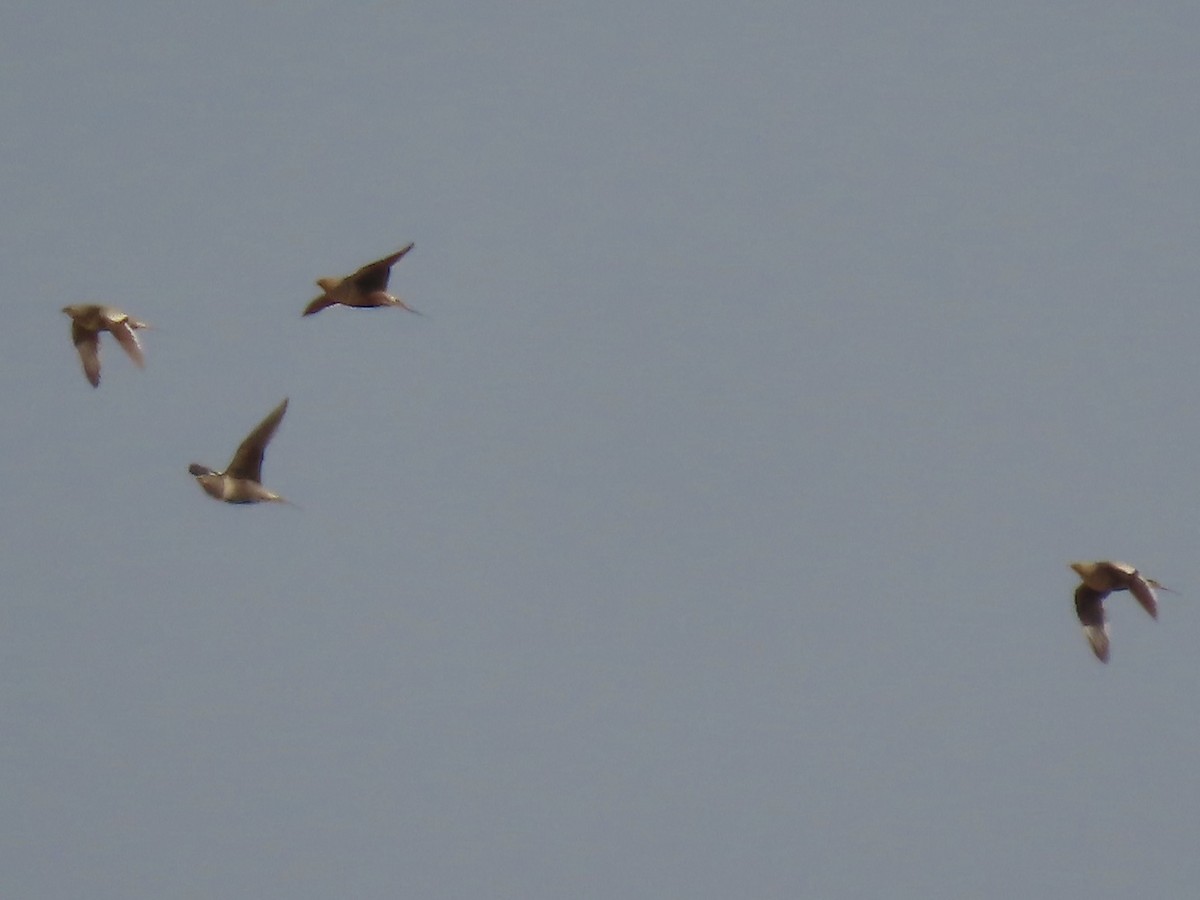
[1144, 594]
[91, 366]
[389, 261]
[1098, 641]
[127, 338]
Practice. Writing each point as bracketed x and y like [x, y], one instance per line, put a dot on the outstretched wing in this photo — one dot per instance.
[247, 462]
[374, 276]
[319, 304]
[123, 331]
[88, 344]
[1143, 593]
[1089, 606]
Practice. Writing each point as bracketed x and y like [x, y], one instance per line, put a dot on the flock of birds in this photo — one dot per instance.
[241, 482]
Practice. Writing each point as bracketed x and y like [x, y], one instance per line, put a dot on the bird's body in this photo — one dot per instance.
[1097, 581]
[88, 320]
[364, 289]
[241, 482]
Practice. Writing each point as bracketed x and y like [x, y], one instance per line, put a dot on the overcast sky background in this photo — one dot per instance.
[707, 538]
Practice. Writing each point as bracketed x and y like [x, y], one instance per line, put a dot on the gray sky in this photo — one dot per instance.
[708, 536]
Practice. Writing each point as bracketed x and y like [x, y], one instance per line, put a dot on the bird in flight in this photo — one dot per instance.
[364, 289]
[241, 482]
[88, 320]
[1097, 581]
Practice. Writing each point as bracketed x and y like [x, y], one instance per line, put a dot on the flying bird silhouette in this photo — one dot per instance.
[1098, 580]
[241, 482]
[364, 289]
[88, 320]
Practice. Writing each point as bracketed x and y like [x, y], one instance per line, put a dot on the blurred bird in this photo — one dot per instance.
[241, 482]
[88, 320]
[1099, 579]
[365, 288]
